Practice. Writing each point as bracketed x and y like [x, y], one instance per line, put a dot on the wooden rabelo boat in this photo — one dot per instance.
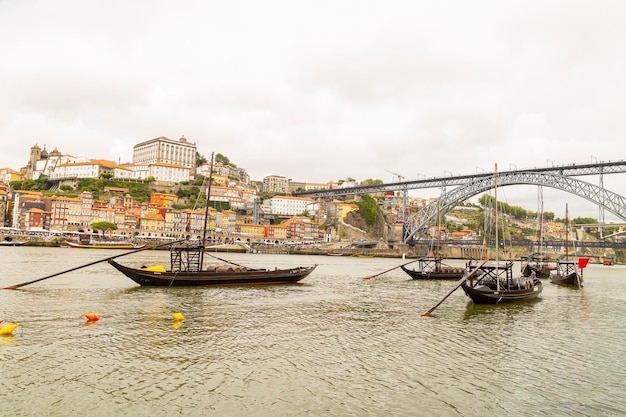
[431, 267]
[495, 283]
[186, 271]
[567, 274]
[187, 266]
[537, 264]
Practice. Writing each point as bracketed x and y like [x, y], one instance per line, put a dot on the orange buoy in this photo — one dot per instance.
[91, 317]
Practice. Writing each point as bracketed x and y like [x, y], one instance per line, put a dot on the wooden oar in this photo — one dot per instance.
[14, 287]
[461, 282]
[391, 269]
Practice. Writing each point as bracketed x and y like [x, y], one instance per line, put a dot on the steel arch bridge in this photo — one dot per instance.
[416, 224]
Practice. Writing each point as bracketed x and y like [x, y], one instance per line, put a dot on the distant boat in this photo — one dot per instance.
[567, 272]
[432, 268]
[537, 264]
[11, 243]
[104, 245]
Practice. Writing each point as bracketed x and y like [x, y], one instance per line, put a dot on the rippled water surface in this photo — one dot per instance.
[332, 345]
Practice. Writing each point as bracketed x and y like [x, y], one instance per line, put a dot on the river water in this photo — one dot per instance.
[333, 345]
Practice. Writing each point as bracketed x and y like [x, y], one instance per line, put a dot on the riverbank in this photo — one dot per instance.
[382, 250]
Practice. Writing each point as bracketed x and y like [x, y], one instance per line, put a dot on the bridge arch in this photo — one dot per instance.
[416, 224]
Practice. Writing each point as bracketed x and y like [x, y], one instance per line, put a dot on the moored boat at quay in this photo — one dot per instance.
[103, 245]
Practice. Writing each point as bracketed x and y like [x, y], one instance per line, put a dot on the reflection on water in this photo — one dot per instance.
[334, 344]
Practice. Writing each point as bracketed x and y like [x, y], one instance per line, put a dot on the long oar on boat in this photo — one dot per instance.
[14, 287]
[391, 269]
[461, 282]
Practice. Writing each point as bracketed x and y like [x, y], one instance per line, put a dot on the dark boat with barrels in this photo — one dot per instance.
[432, 267]
[495, 284]
[539, 265]
[187, 266]
[566, 273]
[186, 270]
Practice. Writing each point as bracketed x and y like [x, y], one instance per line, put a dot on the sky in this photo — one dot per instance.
[323, 90]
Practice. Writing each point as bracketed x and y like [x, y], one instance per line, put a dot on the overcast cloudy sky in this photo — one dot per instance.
[321, 90]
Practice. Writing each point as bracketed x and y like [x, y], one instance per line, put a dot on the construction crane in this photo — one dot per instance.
[402, 217]
[400, 177]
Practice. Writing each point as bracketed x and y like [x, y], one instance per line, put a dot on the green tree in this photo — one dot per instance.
[368, 209]
[103, 226]
[222, 159]
[200, 159]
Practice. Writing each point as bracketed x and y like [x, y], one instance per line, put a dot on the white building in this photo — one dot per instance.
[167, 151]
[292, 206]
[90, 169]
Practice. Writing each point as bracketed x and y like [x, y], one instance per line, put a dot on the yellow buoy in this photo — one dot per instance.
[8, 328]
[178, 316]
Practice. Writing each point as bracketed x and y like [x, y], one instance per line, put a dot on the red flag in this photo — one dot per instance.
[582, 262]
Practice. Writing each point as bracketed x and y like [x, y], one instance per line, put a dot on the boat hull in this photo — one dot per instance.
[111, 246]
[452, 274]
[485, 295]
[569, 280]
[221, 276]
[541, 271]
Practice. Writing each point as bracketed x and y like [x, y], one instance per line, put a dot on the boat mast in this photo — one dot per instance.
[495, 196]
[206, 213]
[566, 233]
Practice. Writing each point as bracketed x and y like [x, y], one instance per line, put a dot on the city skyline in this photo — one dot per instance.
[325, 90]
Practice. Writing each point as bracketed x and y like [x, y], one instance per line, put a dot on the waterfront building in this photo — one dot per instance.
[152, 224]
[302, 228]
[64, 212]
[35, 219]
[275, 184]
[251, 231]
[278, 231]
[24, 200]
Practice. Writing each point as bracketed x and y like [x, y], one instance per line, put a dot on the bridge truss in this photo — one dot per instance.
[558, 177]
[415, 226]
